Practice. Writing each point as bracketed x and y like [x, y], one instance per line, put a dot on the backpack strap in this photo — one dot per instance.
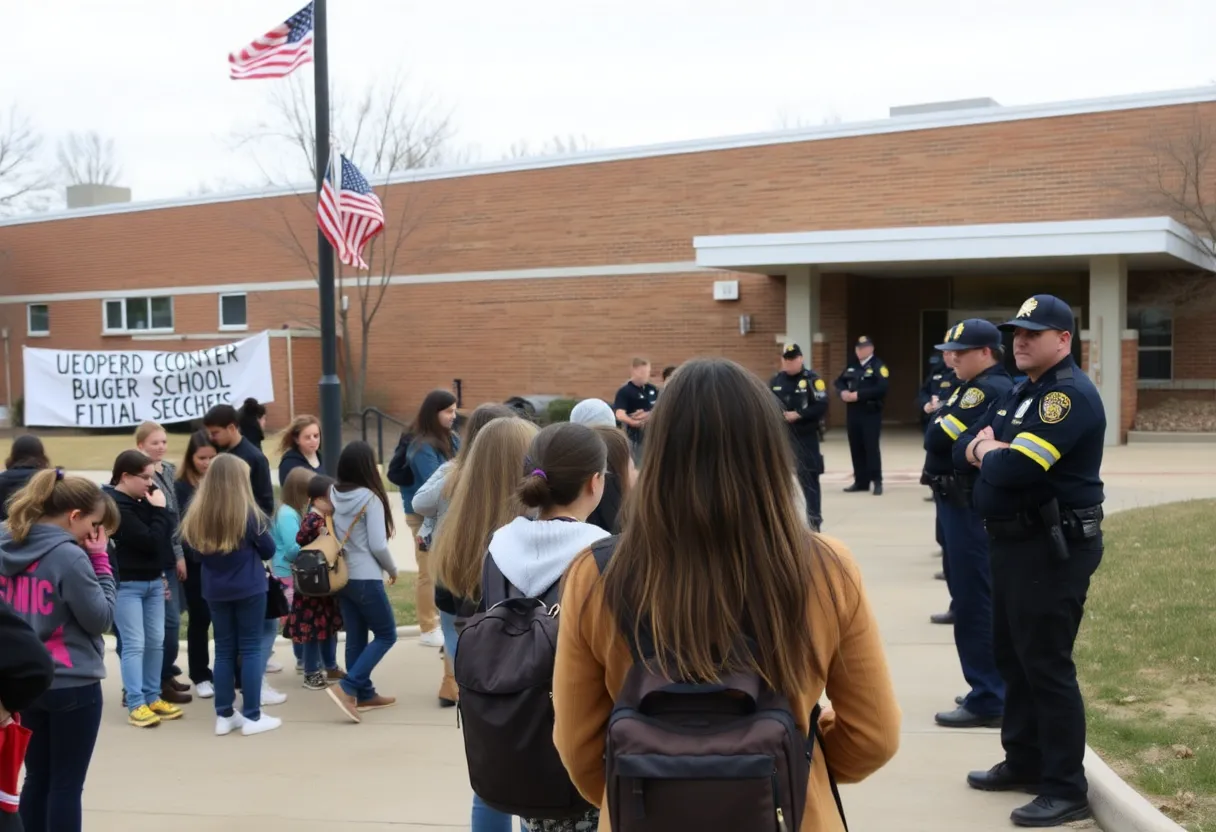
[816, 735]
[329, 525]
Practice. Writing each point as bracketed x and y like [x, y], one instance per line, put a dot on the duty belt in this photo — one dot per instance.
[1077, 524]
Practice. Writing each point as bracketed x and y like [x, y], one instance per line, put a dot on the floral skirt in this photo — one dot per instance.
[313, 618]
[589, 822]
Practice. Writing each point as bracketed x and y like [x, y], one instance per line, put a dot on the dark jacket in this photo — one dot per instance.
[26, 668]
[232, 576]
[259, 474]
[142, 547]
[606, 514]
[13, 480]
[184, 492]
[294, 459]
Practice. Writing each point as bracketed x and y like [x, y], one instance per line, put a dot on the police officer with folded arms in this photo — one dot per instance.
[804, 401]
[863, 387]
[1038, 452]
[976, 354]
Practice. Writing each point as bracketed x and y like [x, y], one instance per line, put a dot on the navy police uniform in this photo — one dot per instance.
[806, 394]
[939, 381]
[1041, 500]
[864, 416]
[632, 398]
[966, 559]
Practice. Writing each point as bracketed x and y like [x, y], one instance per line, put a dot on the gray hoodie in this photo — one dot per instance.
[50, 582]
[367, 552]
[533, 554]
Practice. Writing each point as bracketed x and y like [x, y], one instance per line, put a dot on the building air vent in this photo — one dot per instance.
[943, 107]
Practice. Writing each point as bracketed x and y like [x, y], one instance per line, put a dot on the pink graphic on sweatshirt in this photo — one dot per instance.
[34, 597]
[58, 650]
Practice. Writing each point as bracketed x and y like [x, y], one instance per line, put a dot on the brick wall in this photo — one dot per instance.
[1127, 384]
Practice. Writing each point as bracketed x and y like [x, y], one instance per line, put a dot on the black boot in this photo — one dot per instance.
[1050, 811]
[877, 489]
[960, 717]
[856, 488]
[942, 617]
[1001, 778]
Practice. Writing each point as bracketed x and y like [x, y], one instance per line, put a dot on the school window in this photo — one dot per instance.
[1156, 327]
[233, 312]
[38, 319]
[121, 315]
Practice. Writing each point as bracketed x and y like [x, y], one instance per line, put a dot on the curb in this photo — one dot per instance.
[1117, 806]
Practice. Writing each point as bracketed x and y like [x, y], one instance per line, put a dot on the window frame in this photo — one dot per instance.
[125, 329]
[1135, 312]
[223, 327]
[29, 321]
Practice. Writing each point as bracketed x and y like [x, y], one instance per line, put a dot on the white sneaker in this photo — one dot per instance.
[432, 639]
[273, 667]
[270, 696]
[261, 725]
[205, 690]
[225, 725]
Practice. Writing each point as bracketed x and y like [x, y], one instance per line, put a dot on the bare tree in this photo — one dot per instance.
[554, 146]
[24, 182]
[1182, 183]
[383, 131]
[88, 159]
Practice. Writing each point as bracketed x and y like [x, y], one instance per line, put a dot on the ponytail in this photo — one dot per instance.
[51, 493]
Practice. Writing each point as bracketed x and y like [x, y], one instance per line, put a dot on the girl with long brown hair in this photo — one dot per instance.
[714, 553]
[199, 453]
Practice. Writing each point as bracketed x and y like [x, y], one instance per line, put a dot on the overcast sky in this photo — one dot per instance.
[152, 74]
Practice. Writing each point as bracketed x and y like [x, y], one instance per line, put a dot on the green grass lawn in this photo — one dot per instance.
[400, 595]
[1146, 657]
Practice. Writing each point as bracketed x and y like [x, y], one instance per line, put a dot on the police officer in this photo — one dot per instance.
[976, 354]
[863, 387]
[935, 391]
[804, 399]
[1038, 451]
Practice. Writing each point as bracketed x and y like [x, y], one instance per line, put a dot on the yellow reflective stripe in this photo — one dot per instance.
[957, 423]
[1051, 449]
[948, 428]
[1025, 446]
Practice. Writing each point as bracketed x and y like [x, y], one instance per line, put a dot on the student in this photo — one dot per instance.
[363, 519]
[293, 502]
[300, 447]
[715, 551]
[621, 476]
[152, 441]
[314, 622]
[633, 404]
[26, 458]
[142, 545]
[252, 421]
[432, 501]
[199, 454]
[225, 525]
[563, 482]
[485, 497]
[221, 423]
[56, 535]
[26, 671]
[433, 444]
[593, 413]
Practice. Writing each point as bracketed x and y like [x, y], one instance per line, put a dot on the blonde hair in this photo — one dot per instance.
[485, 500]
[291, 436]
[219, 514]
[295, 489]
[51, 493]
[145, 430]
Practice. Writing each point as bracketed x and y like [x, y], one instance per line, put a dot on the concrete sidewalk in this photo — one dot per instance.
[403, 768]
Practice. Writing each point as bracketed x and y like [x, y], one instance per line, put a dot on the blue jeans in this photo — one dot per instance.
[320, 655]
[485, 819]
[270, 631]
[239, 626]
[64, 724]
[365, 607]
[139, 614]
[173, 623]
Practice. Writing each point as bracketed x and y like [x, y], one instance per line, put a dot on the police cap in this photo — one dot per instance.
[971, 334]
[791, 351]
[1042, 312]
[864, 341]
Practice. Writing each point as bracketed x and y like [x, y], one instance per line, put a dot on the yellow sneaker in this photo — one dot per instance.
[164, 710]
[143, 717]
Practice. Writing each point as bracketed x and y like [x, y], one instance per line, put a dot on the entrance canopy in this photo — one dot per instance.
[1145, 243]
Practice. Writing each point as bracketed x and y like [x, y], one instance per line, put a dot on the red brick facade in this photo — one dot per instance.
[575, 335]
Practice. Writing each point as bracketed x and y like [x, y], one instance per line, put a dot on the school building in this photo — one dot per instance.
[545, 276]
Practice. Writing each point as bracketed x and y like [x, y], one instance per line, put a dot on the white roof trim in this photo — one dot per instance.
[1083, 238]
[896, 124]
[622, 270]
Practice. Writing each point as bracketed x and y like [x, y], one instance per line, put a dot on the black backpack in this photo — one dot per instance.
[504, 668]
[724, 756]
[399, 472]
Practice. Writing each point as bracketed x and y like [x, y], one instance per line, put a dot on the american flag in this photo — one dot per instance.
[349, 212]
[278, 52]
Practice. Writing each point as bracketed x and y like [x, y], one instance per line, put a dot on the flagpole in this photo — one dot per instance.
[330, 384]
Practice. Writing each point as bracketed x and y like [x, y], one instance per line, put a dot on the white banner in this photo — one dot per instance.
[113, 388]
